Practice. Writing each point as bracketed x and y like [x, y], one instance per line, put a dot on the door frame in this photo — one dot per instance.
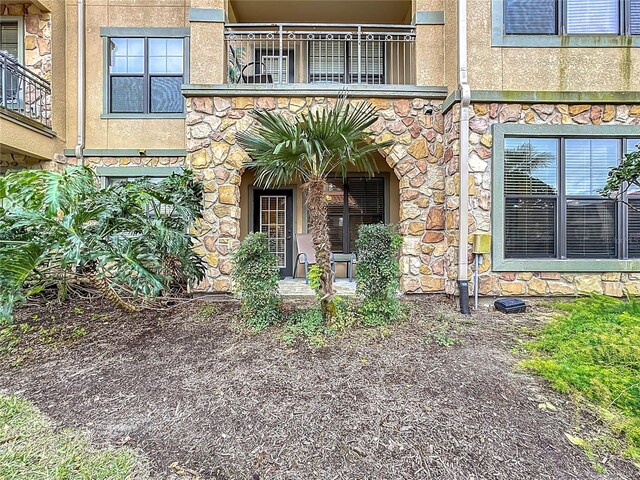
[290, 192]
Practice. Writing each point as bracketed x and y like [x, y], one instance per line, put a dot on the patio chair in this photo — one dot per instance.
[245, 78]
[306, 254]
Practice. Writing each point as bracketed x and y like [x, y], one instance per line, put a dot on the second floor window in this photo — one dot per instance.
[145, 75]
[572, 17]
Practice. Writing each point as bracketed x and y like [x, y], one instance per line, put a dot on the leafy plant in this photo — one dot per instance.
[592, 349]
[128, 240]
[307, 323]
[255, 275]
[378, 273]
[310, 148]
[623, 176]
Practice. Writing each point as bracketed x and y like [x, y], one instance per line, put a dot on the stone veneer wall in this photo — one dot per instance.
[416, 159]
[37, 36]
[483, 116]
[14, 161]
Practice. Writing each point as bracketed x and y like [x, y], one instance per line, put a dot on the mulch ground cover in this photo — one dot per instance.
[434, 397]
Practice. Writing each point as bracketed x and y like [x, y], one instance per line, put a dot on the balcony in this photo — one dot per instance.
[24, 96]
[293, 55]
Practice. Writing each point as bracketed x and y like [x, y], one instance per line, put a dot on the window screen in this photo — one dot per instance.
[531, 17]
[634, 17]
[327, 61]
[337, 61]
[146, 75]
[531, 189]
[9, 38]
[351, 203]
[593, 17]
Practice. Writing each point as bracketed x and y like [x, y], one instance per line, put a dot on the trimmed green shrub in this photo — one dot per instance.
[378, 273]
[255, 275]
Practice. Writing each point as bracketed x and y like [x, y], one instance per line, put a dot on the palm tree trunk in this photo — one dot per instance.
[319, 229]
[103, 287]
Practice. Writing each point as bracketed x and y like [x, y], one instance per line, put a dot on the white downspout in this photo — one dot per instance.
[81, 88]
[465, 101]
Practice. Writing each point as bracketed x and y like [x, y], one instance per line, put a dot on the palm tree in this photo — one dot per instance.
[309, 148]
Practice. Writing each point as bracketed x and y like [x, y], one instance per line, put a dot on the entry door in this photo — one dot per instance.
[273, 215]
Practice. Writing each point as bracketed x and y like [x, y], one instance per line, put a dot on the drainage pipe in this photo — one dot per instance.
[81, 84]
[465, 101]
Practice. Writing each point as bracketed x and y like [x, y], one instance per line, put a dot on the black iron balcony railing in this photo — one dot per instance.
[320, 53]
[24, 92]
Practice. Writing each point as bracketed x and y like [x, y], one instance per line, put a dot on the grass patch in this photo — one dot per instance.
[592, 350]
[32, 448]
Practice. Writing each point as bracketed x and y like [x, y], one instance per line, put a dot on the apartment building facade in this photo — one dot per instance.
[506, 114]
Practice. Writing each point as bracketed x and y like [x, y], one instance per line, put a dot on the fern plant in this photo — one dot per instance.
[129, 240]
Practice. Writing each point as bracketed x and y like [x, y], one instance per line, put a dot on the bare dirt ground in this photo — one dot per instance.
[434, 397]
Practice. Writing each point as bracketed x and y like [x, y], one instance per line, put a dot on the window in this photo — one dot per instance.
[10, 36]
[336, 61]
[572, 17]
[145, 75]
[353, 202]
[552, 207]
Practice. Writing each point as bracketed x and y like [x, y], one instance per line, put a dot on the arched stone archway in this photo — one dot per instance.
[416, 159]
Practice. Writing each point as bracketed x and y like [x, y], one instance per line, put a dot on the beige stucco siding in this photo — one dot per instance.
[546, 69]
[103, 133]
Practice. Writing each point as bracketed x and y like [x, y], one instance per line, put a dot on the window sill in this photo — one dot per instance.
[142, 116]
[500, 39]
[568, 265]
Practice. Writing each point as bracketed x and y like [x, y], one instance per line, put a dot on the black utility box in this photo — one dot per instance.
[510, 305]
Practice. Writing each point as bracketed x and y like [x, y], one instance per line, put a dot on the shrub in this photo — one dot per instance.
[255, 275]
[128, 240]
[378, 273]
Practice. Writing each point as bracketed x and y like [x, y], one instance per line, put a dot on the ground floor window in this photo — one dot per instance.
[353, 201]
[552, 208]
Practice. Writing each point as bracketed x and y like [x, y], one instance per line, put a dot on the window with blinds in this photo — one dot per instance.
[145, 75]
[633, 200]
[336, 61]
[552, 208]
[353, 202]
[9, 36]
[572, 17]
[593, 17]
[531, 17]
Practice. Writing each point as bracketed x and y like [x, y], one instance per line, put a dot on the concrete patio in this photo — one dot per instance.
[296, 287]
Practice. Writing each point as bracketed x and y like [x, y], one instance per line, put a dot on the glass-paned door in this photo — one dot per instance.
[273, 217]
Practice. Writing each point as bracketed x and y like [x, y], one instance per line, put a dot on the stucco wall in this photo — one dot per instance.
[483, 117]
[555, 69]
[118, 133]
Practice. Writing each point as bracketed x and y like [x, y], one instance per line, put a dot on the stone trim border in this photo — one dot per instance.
[499, 262]
[429, 18]
[209, 15]
[310, 90]
[514, 96]
[128, 152]
[144, 32]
